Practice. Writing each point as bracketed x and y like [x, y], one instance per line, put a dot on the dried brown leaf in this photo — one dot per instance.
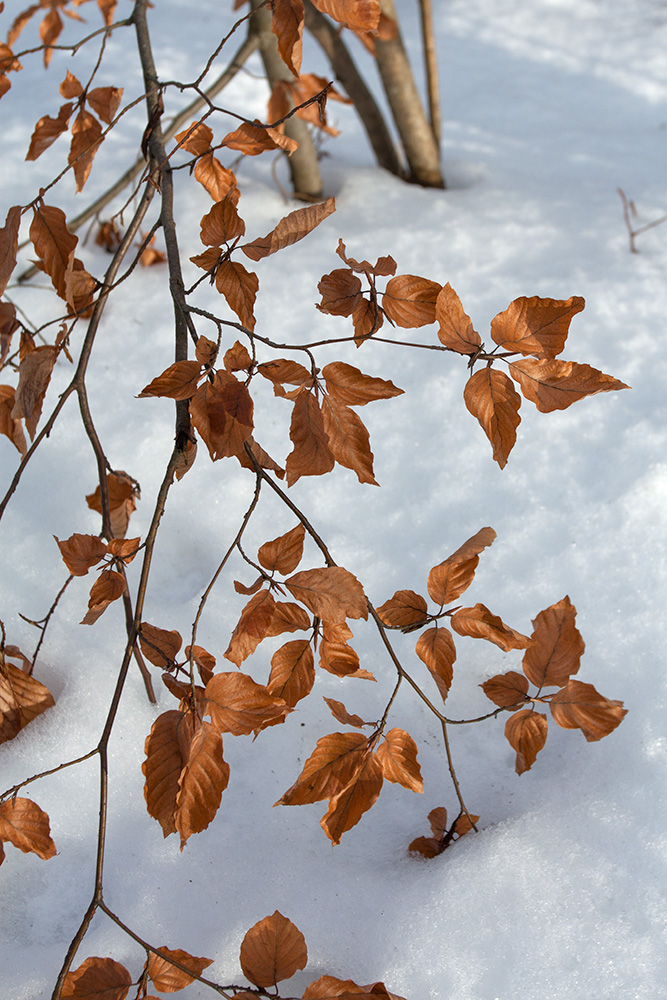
[506, 690]
[348, 439]
[409, 301]
[404, 610]
[159, 646]
[22, 699]
[535, 326]
[34, 377]
[557, 646]
[238, 705]
[311, 454]
[292, 228]
[47, 130]
[196, 138]
[9, 240]
[341, 714]
[330, 592]
[203, 778]
[328, 770]
[456, 330]
[178, 381]
[288, 617]
[237, 358]
[11, 428]
[480, 623]
[222, 224]
[330, 988]
[251, 627]
[340, 291]
[398, 756]
[292, 671]
[168, 977]
[338, 658]
[435, 647]
[357, 15]
[218, 180]
[239, 288]
[105, 102]
[283, 554]
[555, 385]
[252, 138]
[97, 979]
[272, 950]
[26, 826]
[580, 706]
[222, 413]
[526, 732]
[54, 244]
[86, 140]
[162, 768]
[122, 492]
[451, 578]
[348, 385]
[80, 552]
[348, 806]
[490, 396]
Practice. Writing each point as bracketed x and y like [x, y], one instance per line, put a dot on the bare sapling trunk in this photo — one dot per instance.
[303, 165]
[417, 137]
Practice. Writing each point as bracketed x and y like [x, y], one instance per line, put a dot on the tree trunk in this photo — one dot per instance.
[303, 165]
[421, 148]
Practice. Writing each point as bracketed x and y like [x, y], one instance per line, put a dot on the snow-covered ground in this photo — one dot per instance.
[549, 108]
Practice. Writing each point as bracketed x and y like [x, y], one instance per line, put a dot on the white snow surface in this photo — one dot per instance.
[549, 107]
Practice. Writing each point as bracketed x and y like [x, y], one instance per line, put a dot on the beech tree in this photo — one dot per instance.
[220, 359]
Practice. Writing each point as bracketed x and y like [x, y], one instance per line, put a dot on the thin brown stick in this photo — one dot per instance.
[431, 66]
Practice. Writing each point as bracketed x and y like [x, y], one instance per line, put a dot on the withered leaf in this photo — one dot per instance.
[203, 778]
[9, 241]
[555, 385]
[80, 552]
[26, 826]
[435, 647]
[340, 291]
[238, 705]
[348, 806]
[251, 627]
[506, 690]
[348, 439]
[291, 229]
[480, 623]
[580, 706]
[409, 301]
[122, 491]
[338, 658]
[54, 244]
[330, 988]
[328, 770]
[70, 87]
[341, 714]
[526, 732]
[196, 138]
[237, 358]
[47, 130]
[217, 179]
[357, 15]
[124, 548]
[272, 950]
[350, 386]
[109, 586]
[10, 427]
[490, 396]
[239, 288]
[205, 661]
[168, 977]
[86, 139]
[288, 617]
[251, 139]
[222, 224]
[403, 610]
[222, 413]
[367, 319]
[398, 756]
[97, 979]
[283, 554]
[22, 699]
[311, 454]
[178, 381]
[292, 671]
[535, 326]
[284, 370]
[159, 646]
[456, 330]
[105, 102]
[449, 579]
[557, 646]
[162, 768]
[330, 592]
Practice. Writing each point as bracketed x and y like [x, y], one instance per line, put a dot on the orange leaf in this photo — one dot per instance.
[97, 979]
[10, 427]
[403, 610]
[283, 554]
[53, 243]
[108, 587]
[506, 690]
[555, 385]
[26, 826]
[80, 552]
[456, 330]
[435, 647]
[168, 977]
[9, 241]
[341, 714]
[222, 412]
[162, 768]
[159, 646]
[217, 180]
[367, 319]
[292, 671]
[283, 370]
[222, 224]
[124, 548]
[330, 988]
[557, 646]
[490, 396]
[70, 87]
[253, 139]
[311, 454]
[47, 130]
[535, 326]
[409, 301]
[237, 358]
[272, 950]
[205, 661]
[105, 102]
[348, 439]
[330, 592]
[526, 732]
[580, 706]
[239, 288]
[203, 778]
[122, 491]
[357, 15]
[86, 140]
[338, 658]
[293, 227]
[348, 806]
[288, 617]
[22, 699]
[398, 756]
[238, 705]
[196, 138]
[348, 385]
[449, 579]
[340, 291]
[251, 627]
[480, 623]
[178, 381]
[328, 770]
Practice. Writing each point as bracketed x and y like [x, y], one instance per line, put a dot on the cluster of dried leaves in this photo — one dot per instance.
[185, 773]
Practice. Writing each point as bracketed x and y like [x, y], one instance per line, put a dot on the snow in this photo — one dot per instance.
[549, 107]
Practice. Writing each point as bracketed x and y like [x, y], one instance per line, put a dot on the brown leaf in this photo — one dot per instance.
[428, 847]
[330, 592]
[205, 661]
[340, 291]
[283, 554]
[26, 826]
[203, 778]
[79, 287]
[348, 806]
[122, 491]
[526, 732]
[357, 15]
[338, 658]
[438, 820]
[251, 139]
[105, 102]
[97, 979]
[341, 714]
[348, 439]
[222, 224]
[70, 87]
[310, 455]
[47, 130]
[11, 428]
[480, 623]
[251, 627]
[22, 699]
[555, 385]
[403, 610]
[283, 370]
[222, 413]
[159, 646]
[398, 756]
[288, 617]
[506, 690]
[124, 548]
[330, 988]
[108, 587]
[237, 358]
[217, 179]
[456, 330]
[292, 671]
[86, 140]
[348, 385]
[167, 977]
[328, 770]
[8, 326]
[293, 227]
[435, 647]
[238, 705]
[196, 138]
[272, 950]
[80, 552]
[535, 326]
[580, 706]
[178, 381]
[239, 288]
[490, 396]
[557, 646]
[409, 301]
[367, 319]
[449, 579]
[53, 243]
[162, 768]
[9, 240]
[34, 377]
